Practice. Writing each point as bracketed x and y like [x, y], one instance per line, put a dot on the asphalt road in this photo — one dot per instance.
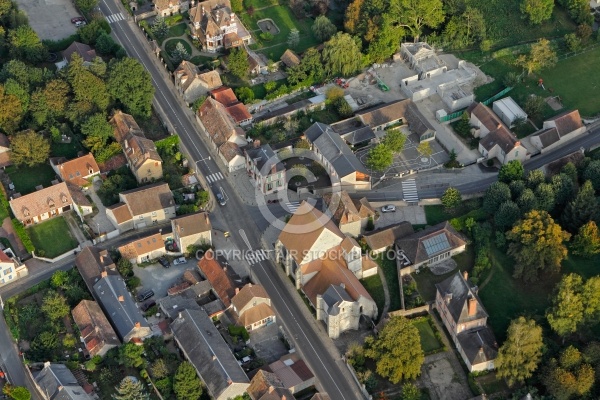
[331, 372]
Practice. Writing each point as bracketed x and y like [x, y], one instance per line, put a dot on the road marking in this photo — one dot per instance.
[215, 177]
[292, 206]
[115, 18]
[409, 190]
[256, 256]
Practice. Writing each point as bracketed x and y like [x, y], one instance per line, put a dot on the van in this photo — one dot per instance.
[145, 295]
[147, 305]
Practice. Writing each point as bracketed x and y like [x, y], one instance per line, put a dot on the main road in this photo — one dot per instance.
[326, 365]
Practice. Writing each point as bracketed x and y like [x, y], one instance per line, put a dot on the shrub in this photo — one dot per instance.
[133, 282]
[173, 19]
[23, 235]
[266, 36]
[235, 330]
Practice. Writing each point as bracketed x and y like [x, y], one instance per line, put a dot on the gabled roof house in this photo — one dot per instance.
[192, 84]
[252, 305]
[350, 215]
[558, 129]
[96, 333]
[266, 172]
[77, 171]
[57, 382]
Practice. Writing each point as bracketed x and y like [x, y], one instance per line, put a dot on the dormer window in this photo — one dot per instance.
[26, 212]
[51, 203]
[64, 198]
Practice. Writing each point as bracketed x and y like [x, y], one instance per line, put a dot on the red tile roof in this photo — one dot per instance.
[77, 170]
[217, 276]
[225, 96]
[239, 113]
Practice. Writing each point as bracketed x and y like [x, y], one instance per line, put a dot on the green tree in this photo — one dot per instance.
[534, 178]
[516, 189]
[570, 170]
[11, 111]
[237, 6]
[545, 197]
[521, 353]
[396, 351]
[563, 188]
[186, 384]
[537, 11]
[537, 245]
[560, 383]
[302, 144]
[385, 43]
[5, 7]
[567, 309]
[507, 215]
[131, 355]
[50, 103]
[25, 44]
[131, 388]
[90, 33]
[527, 201]
[380, 158]
[424, 149]
[97, 130]
[534, 105]
[511, 171]
[591, 300]
[85, 6]
[581, 209]
[179, 54]
[573, 42]
[160, 29]
[60, 279]
[105, 44]
[323, 28]
[592, 173]
[410, 391]
[394, 140]
[416, 14]
[18, 393]
[293, 38]
[237, 63]
[29, 148]
[87, 87]
[466, 29]
[21, 92]
[587, 241]
[245, 94]
[341, 55]
[569, 375]
[125, 267]
[495, 195]
[540, 57]
[159, 369]
[131, 85]
[55, 306]
[451, 198]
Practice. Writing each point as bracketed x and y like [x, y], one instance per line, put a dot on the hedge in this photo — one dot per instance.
[23, 235]
[239, 331]
[54, 46]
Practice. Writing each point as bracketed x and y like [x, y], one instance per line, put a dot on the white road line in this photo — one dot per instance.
[293, 206]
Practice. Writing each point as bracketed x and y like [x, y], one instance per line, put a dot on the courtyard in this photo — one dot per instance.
[160, 279]
[51, 20]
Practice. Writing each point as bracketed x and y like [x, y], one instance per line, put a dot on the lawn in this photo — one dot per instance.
[52, 237]
[202, 60]
[256, 4]
[171, 43]
[177, 30]
[429, 342]
[586, 267]
[325, 116]
[374, 286]
[67, 150]
[391, 276]
[27, 178]
[436, 214]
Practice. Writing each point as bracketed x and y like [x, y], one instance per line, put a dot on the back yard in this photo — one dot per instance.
[52, 238]
[430, 337]
[27, 178]
[374, 286]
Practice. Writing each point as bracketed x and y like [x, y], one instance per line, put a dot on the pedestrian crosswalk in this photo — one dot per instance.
[409, 190]
[217, 176]
[292, 206]
[256, 256]
[115, 18]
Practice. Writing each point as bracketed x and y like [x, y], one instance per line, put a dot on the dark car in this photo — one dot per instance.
[220, 198]
[147, 305]
[145, 295]
[164, 262]
[77, 19]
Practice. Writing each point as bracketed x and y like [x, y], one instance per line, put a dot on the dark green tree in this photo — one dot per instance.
[545, 197]
[534, 178]
[466, 29]
[87, 87]
[495, 195]
[97, 130]
[563, 188]
[570, 170]
[186, 384]
[451, 199]
[161, 29]
[537, 11]
[592, 173]
[105, 44]
[507, 215]
[237, 63]
[85, 6]
[131, 355]
[130, 84]
[512, 171]
[527, 201]
[581, 209]
[323, 28]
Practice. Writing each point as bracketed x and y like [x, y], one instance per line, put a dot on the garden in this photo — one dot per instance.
[26, 178]
[52, 238]
[374, 286]
[431, 340]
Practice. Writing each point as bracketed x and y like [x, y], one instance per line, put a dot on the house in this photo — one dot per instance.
[267, 386]
[96, 333]
[350, 215]
[10, 268]
[4, 151]
[382, 239]
[508, 111]
[354, 132]
[236, 109]
[91, 262]
[142, 207]
[78, 171]
[253, 307]
[399, 112]
[192, 84]
[203, 346]
[290, 59]
[47, 203]
[216, 27]
[83, 51]
[265, 170]
[341, 164]
[142, 157]
[317, 255]
[430, 246]
[502, 145]
[57, 382]
[120, 308]
[293, 373]
[167, 8]
[558, 129]
[465, 318]
[285, 113]
[191, 230]
[222, 284]
[171, 306]
[144, 249]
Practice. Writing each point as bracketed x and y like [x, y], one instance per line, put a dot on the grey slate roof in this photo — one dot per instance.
[415, 249]
[334, 295]
[405, 109]
[206, 349]
[460, 291]
[59, 383]
[173, 305]
[263, 154]
[479, 345]
[122, 314]
[334, 149]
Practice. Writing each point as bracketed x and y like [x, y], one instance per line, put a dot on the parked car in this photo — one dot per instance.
[179, 261]
[77, 19]
[145, 295]
[388, 208]
[164, 262]
[220, 198]
[79, 24]
[147, 305]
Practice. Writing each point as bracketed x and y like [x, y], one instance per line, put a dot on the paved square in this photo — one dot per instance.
[160, 279]
[50, 19]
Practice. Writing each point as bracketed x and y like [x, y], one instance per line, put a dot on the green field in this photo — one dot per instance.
[27, 178]
[374, 286]
[429, 342]
[52, 237]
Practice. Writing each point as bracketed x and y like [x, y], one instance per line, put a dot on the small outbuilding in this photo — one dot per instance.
[508, 111]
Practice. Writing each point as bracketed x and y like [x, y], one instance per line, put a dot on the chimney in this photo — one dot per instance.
[202, 10]
[206, 217]
[271, 389]
[472, 306]
[448, 297]
[138, 325]
[237, 290]
[104, 274]
[343, 285]
[466, 275]
[180, 316]
[126, 144]
[256, 144]
[121, 299]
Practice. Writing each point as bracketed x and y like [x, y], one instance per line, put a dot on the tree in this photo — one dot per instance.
[466, 29]
[570, 170]
[516, 189]
[592, 173]
[186, 384]
[534, 178]
[85, 6]
[507, 215]
[352, 16]
[237, 6]
[131, 388]
[568, 376]
[105, 44]
[410, 391]
[521, 353]
[60, 279]
[323, 28]
[563, 188]
[416, 14]
[451, 198]
[380, 158]
[512, 171]
[581, 209]
[591, 300]
[160, 29]
[21, 92]
[541, 56]
[587, 242]
[293, 38]
[245, 94]
[16, 392]
[537, 245]
[545, 197]
[495, 195]
[159, 369]
[25, 44]
[87, 87]
[567, 308]
[179, 54]
[11, 111]
[534, 105]
[302, 144]
[125, 267]
[29, 148]
[341, 55]
[55, 306]
[573, 42]
[394, 140]
[131, 355]
[90, 33]
[527, 201]
[130, 84]
[424, 149]
[537, 11]
[97, 130]
[396, 351]
[237, 63]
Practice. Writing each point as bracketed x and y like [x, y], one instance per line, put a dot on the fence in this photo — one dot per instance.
[452, 116]
[411, 312]
[497, 96]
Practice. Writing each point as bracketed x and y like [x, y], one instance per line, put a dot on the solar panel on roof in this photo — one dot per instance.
[436, 244]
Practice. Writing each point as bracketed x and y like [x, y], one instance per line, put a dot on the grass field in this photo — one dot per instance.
[27, 178]
[256, 4]
[436, 214]
[391, 276]
[374, 286]
[67, 150]
[53, 237]
[429, 342]
[177, 30]
[172, 43]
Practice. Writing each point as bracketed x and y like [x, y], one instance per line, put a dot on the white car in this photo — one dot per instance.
[388, 208]
[179, 261]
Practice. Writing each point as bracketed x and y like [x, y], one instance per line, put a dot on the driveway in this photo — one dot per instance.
[160, 279]
[413, 214]
[99, 222]
[50, 19]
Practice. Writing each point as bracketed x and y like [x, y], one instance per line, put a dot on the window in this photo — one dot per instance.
[78, 173]
[517, 153]
[154, 213]
[7, 271]
[141, 217]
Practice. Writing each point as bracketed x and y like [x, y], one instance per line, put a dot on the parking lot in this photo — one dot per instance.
[160, 279]
[50, 19]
